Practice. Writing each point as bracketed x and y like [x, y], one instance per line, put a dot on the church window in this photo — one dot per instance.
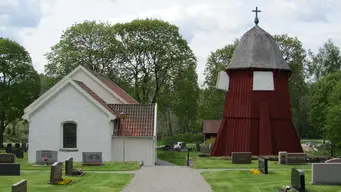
[69, 135]
[263, 81]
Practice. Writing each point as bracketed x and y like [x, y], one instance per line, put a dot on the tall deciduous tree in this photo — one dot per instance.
[19, 82]
[212, 103]
[326, 61]
[91, 44]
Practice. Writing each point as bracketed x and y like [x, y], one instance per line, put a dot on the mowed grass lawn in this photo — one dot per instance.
[179, 158]
[239, 180]
[38, 181]
[108, 166]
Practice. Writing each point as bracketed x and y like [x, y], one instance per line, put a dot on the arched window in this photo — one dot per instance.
[69, 135]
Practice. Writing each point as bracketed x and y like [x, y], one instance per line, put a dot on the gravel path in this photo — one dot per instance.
[168, 179]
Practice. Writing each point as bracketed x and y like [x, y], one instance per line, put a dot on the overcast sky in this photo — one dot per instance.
[206, 24]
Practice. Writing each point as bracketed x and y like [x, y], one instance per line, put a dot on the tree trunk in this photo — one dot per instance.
[2, 129]
[170, 132]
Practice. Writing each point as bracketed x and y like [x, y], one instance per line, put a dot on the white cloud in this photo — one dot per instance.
[207, 25]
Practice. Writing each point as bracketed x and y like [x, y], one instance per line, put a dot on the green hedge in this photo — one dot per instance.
[187, 138]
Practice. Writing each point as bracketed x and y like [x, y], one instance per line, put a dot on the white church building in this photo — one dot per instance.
[86, 112]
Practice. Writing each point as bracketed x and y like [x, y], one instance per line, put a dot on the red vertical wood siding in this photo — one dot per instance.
[256, 121]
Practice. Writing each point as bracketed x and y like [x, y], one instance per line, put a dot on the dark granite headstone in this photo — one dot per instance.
[9, 169]
[18, 152]
[17, 145]
[92, 158]
[241, 157]
[7, 158]
[297, 158]
[9, 148]
[24, 146]
[297, 180]
[56, 172]
[21, 186]
[69, 166]
[263, 165]
[197, 146]
[47, 157]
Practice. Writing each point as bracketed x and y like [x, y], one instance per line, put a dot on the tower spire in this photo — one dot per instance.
[256, 18]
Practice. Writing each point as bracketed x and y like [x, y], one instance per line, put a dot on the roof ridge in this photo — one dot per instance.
[98, 76]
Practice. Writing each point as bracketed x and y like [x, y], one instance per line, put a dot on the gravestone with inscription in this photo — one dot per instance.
[56, 172]
[263, 165]
[7, 158]
[8, 166]
[21, 186]
[297, 180]
[92, 158]
[241, 157]
[47, 157]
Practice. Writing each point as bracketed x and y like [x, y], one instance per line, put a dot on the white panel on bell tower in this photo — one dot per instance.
[263, 81]
[223, 81]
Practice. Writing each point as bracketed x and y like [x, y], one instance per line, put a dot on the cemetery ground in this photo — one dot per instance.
[112, 176]
[38, 181]
[223, 176]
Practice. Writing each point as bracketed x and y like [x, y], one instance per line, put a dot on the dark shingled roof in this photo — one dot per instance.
[257, 49]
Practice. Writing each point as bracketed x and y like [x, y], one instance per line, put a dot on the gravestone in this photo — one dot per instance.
[282, 157]
[326, 173]
[334, 160]
[9, 169]
[56, 172]
[24, 146]
[197, 146]
[263, 165]
[297, 158]
[9, 148]
[205, 150]
[7, 158]
[21, 186]
[51, 155]
[17, 145]
[18, 152]
[69, 166]
[297, 180]
[241, 157]
[92, 158]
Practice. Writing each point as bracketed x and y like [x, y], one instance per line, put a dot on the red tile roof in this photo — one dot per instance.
[114, 87]
[139, 120]
[211, 126]
[96, 97]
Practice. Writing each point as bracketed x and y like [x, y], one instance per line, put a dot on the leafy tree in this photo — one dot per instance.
[153, 52]
[212, 102]
[326, 61]
[319, 101]
[19, 83]
[91, 44]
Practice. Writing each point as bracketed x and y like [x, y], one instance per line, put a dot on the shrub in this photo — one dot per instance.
[208, 141]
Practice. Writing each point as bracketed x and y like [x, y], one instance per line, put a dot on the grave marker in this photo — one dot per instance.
[7, 158]
[263, 165]
[9, 169]
[69, 166]
[20, 186]
[50, 155]
[297, 180]
[241, 157]
[326, 173]
[92, 158]
[56, 172]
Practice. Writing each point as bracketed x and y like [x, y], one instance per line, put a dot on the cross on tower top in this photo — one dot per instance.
[256, 18]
